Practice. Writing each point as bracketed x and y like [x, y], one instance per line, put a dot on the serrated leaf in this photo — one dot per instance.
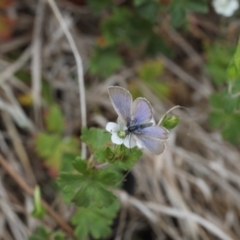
[95, 138]
[54, 120]
[98, 6]
[224, 115]
[45, 143]
[127, 158]
[40, 234]
[149, 10]
[109, 176]
[105, 61]
[216, 65]
[125, 27]
[233, 70]
[52, 149]
[69, 184]
[80, 165]
[104, 155]
[94, 221]
[93, 193]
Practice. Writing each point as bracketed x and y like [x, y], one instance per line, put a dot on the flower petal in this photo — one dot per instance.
[112, 127]
[115, 139]
[129, 141]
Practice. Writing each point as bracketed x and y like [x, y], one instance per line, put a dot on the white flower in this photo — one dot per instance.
[225, 7]
[119, 135]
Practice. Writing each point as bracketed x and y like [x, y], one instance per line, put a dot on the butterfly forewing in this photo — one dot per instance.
[122, 101]
[141, 111]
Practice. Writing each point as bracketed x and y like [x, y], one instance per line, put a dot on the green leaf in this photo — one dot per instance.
[95, 138]
[139, 2]
[224, 115]
[105, 61]
[170, 122]
[94, 221]
[178, 14]
[99, 6]
[52, 149]
[54, 120]
[46, 143]
[233, 70]
[126, 158]
[198, 6]
[43, 234]
[88, 186]
[109, 176]
[80, 165]
[93, 193]
[216, 65]
[38, 211]
[125, 27]
[104, 155]
[40, 234]
[224, 102]
[69, 184]
[149, 10]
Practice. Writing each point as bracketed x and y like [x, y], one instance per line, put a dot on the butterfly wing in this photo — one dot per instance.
[141, 111]
[122, 101]
[153, 138]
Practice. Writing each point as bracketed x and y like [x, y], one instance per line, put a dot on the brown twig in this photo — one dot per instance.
[24, 186]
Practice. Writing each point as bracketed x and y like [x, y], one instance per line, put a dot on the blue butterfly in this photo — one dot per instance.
[137, 118]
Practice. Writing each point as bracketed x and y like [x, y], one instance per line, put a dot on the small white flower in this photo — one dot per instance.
[119, 135]
[225, 7]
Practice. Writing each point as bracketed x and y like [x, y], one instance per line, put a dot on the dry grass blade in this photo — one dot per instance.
[79, 68]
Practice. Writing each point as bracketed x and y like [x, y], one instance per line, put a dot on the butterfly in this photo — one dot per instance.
[137, 117]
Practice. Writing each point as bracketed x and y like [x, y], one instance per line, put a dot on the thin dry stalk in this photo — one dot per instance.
[79, 68]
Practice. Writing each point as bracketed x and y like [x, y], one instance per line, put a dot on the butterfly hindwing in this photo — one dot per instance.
[152, 138]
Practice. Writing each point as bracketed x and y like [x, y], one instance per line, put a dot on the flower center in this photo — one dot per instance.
[121, 134]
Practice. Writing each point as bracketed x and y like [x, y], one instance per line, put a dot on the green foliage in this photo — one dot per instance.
[218, 57]
[148, 10]
[95, 138]
[224, 115]
[43, 234]
[38, 211]
[233, 70]
[125, 27]
[94, 221]
[87, 186]
[54, 120]
[149, 72]
[179, 9]
[105, 61]
[121, 157]
[51, 146]
[170, 122]
[99, 6]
